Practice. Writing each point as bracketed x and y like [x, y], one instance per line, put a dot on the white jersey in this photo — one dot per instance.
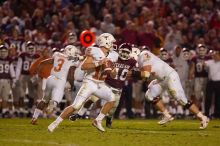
[98, 54]
[61, 65]
[158, 66]
[79, 74]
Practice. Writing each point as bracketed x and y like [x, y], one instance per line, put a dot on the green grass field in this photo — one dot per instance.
[18, 132]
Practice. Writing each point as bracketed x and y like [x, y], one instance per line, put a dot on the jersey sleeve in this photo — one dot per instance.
[113, 56]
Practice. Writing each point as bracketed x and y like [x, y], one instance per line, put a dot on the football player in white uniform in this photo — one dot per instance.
[124, 66]
[55, 83]
[95, 65]
[167, 79]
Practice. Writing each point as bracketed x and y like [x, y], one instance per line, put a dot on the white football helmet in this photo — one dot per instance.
[70, 50]
[106, 40]
[135, 52]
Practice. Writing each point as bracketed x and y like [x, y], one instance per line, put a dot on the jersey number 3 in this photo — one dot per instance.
[59, 65]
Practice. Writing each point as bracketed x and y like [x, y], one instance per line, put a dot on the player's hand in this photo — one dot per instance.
[113, 73]
[129, 74]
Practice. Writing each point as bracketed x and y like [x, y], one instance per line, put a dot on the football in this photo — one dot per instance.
[108, 65]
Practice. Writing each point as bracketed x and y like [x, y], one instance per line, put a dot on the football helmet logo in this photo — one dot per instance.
[135, 52]
[106, 40]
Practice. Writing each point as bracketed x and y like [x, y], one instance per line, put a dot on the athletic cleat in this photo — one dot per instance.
[108, 122]
[52, 126]
[34, 121]
[98, 125]
[204, 123]
[165, 119]
[75, 117]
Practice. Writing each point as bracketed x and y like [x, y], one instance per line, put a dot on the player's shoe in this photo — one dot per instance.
[52, 126]
[98, 125]
[75, 117]
[34, 121]
[204, 122]
[165, 120]
[108, 122]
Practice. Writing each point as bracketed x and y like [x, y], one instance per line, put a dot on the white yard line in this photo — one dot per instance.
[36, 142]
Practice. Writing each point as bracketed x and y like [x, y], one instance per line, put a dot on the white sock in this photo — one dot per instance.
[200, 115]
[37, 112]
[82, 111]
[166, 113]
[58, 120]
[100, 117]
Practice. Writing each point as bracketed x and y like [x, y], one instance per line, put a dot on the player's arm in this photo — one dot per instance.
[90, 63]
[44, 62]
[145, 71]
[12, 71]
[70, 76]
[192, 70]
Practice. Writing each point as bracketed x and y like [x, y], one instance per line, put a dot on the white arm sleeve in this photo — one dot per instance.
[18, 69]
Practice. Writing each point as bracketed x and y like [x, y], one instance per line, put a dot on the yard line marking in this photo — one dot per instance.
[37, 142]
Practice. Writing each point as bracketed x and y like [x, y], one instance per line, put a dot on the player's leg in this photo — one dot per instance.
[87, 88]
[109, 117]
[22, 90]
[178, 93]
[152, 94]
[68, 93]
[32, 93]
[84, 108]
[5, 96]
[41, 106]
[56, 96]
[104, 92]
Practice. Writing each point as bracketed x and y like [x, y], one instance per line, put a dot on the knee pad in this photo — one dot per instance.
[188, 105]
[153, 91]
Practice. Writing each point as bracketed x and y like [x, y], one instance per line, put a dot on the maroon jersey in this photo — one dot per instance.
[27, 59]
[122, 68]
[199, 67]
[19, 43]
[5, 68]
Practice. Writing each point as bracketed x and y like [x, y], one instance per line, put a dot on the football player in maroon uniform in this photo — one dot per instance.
[199, 74]
[123, 67]
[18, 100]
[22, 73]
[7, 73]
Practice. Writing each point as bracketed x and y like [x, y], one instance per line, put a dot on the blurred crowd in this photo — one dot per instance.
[184, 33]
